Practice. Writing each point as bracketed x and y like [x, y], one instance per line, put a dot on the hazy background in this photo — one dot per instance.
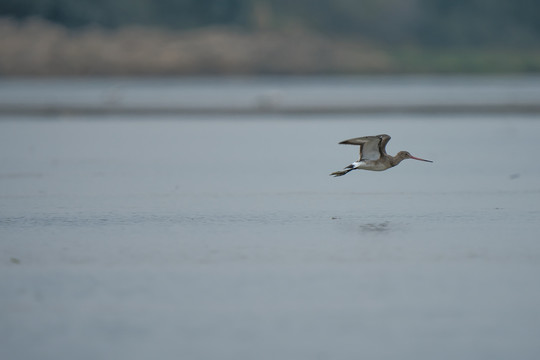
[165, 188]
[150, 37]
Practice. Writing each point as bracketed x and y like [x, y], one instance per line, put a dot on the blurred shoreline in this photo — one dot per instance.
[39, 48]
[273, 95]
[69, 110]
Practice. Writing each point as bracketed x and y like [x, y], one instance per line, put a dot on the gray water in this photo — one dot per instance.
[205, 237]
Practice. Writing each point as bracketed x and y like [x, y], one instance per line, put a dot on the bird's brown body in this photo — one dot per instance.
[373, 155]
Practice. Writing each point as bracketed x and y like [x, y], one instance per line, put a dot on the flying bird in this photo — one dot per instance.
[373, 155]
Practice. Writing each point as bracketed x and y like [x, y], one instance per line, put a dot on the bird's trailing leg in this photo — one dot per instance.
[344, 171]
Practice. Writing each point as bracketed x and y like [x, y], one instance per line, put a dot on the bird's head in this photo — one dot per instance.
[407, 155]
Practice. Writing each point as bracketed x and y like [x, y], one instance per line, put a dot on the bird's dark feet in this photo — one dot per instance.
[340, 173]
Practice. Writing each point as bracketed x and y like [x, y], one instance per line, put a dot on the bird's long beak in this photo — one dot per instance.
[415, 158]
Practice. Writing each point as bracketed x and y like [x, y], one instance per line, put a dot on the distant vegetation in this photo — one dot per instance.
[268, 36]
[423, 22]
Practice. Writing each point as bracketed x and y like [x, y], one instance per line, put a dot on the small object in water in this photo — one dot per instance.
[514, 176]
[15, 260]
[373, 155]
[380, 227]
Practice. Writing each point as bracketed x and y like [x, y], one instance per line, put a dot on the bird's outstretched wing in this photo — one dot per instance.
[371, 147]
[382, 145]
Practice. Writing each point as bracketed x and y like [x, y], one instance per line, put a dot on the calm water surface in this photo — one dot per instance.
[225, 237]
